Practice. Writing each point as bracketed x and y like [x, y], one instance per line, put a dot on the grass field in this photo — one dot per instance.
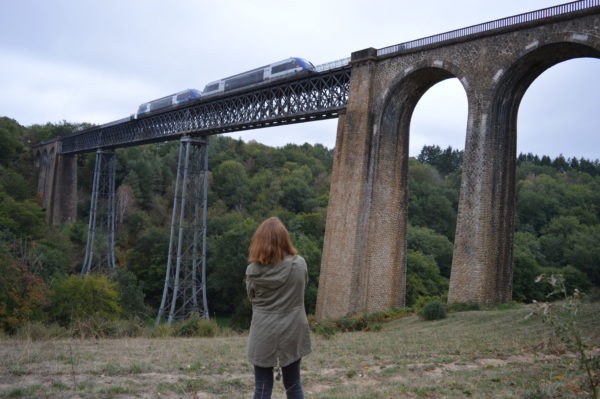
[480, 354]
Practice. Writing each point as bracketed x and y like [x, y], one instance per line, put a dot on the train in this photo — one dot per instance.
[168, 101]
[255, 77]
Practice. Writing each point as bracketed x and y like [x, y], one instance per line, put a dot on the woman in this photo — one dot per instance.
[279, 333]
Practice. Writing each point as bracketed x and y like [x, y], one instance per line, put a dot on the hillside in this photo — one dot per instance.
[478, 354]
[557, 225]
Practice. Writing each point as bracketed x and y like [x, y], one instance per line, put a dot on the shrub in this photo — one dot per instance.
[434, 310]
[160, 331]
[424, 300]
[131, 293]
[37, 331]
[196, 327]
[130, 328]
[593, 295]
[81, 298]
[387, 315]
[324, 328]
[352, 323]
[94, 326]
[365, 322]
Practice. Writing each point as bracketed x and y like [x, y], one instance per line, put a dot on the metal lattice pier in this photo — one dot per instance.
[100, 246]
[184, 291]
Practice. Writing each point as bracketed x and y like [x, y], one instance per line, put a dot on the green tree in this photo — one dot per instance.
[77, 298]
[227, 262]
[431, 203]
[131, 294]
[537, 203]
[526, 268]
[22, 293]
[311, 253]
[10, 141]
[23, 218]
[148, 260]
[428, 242]
[230, 182]
[557, 237]
[423, 277]
[445, 161]
[584, 253]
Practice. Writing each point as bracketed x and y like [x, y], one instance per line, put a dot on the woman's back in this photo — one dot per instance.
[277, 287]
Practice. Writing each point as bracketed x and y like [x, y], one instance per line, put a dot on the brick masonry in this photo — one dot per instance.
[57, 182]
[364, 256]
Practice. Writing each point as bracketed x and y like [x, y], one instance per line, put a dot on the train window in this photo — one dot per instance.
[284, 67]
[184, 96]
[212, 87]
[161, 103]
[246, 79]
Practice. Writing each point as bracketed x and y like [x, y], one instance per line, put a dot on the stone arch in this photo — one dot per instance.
[513, 84]
[506, 100]
[385, 253]
[37, 159]
[418, 73]
[482, 263]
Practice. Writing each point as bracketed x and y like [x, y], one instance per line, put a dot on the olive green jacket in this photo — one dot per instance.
[279, 329]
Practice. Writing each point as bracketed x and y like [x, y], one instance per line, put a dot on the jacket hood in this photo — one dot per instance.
[270, 276]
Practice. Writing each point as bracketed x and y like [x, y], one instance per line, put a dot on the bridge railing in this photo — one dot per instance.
[333, 65]
[492, 25]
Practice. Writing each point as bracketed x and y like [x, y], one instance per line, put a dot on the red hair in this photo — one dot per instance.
[270, 243]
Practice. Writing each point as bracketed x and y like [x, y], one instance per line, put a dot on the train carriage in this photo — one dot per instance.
[276, 70]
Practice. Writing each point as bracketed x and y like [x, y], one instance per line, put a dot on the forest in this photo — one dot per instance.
[557, 226]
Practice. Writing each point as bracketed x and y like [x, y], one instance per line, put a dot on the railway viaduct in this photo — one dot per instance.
[364, 255]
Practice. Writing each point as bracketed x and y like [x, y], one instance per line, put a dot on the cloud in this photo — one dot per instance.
[53, 91]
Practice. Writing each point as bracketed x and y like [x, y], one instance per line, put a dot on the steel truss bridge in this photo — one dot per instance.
[317, 96]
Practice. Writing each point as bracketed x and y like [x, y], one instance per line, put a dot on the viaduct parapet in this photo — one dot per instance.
[364, 256]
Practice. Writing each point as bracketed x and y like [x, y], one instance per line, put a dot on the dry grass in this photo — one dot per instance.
[483, 354]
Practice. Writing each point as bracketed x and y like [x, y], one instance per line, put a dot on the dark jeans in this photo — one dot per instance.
[263, 380]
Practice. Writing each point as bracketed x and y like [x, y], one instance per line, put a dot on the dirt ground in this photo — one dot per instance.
[483, 354]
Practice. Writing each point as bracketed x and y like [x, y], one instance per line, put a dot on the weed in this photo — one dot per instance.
[116, 390]
[351, 373]
[364, 322]
[59, 386]
[135, 369]
[21, 392]
[17, 370]
[463, 307]
[562, 320]
[537, 394]
[161, 331]
[110, 369]
[505, 306]
[36, 331]
[324, 328]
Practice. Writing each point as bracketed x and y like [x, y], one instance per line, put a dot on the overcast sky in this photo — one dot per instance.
[96, 61]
